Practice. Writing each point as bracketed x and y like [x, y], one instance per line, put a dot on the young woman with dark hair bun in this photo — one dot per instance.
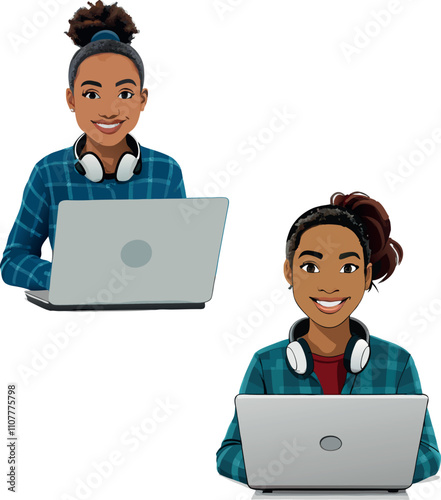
[107, 96]
[334, 253]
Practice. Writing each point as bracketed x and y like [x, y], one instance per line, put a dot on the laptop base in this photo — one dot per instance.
[329, 489]
[40, 298]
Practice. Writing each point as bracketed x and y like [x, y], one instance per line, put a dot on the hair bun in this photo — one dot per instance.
[386, 253]
[88, 21]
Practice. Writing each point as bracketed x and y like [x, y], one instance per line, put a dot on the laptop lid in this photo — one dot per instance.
[136, 251]
[330, 442]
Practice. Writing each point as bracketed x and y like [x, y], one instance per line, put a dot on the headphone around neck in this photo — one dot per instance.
[299, 355]
[89, 165]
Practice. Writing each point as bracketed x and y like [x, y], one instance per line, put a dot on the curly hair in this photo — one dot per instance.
[88, 21]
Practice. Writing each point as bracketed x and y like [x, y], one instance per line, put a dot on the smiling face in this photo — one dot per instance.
[107, 97]
[328, 274]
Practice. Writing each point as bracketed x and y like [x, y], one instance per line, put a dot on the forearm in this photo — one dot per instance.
[230, 461]
[21, 268]
[21, 264]
[428, 463]
[428, 460]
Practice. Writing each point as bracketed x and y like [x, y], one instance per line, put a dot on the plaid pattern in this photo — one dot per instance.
[54, 179]
[390, 370]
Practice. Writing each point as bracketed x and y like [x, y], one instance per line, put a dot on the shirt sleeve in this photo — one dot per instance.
[177, 188]
[428, 460]
[229, 456]
[21, 264]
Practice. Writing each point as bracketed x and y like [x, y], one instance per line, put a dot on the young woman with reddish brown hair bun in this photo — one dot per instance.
[334, 253]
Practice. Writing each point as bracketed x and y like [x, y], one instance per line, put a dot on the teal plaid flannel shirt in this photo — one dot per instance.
[390, 370]
[54, 179]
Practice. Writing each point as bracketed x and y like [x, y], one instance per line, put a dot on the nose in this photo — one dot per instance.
[108, 117]
[329, 290]
[328, 283]
[110, 109]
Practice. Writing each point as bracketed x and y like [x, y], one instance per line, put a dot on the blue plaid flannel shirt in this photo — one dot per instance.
[54, 179]
[390, 370]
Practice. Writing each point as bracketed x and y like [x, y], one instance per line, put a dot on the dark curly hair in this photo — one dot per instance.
[86, 22]
[366, 218]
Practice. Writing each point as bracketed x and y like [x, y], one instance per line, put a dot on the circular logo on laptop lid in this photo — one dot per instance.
[330, 443]
[136, 253]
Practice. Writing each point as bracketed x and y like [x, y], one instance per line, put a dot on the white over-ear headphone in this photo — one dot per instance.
[91, 167]
[299, 356]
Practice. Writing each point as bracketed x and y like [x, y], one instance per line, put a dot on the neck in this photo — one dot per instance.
[328, 341]
[109, 155]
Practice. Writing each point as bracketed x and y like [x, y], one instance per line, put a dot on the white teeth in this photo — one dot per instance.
[108, 125]
[326, 303]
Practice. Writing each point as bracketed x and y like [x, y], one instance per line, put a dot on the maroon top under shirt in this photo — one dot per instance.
[331, 372]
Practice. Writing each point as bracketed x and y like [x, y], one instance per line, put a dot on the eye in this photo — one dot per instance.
[125, 94]
[309, 267]
[348, 268]
[90, 94]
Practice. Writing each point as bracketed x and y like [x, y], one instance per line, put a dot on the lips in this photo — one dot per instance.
[329, 306]
[108, 127]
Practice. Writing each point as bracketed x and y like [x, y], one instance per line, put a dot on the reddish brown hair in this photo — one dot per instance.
[386, 253]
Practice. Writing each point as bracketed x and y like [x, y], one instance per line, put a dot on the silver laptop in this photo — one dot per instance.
[134, 254]
[330, 442]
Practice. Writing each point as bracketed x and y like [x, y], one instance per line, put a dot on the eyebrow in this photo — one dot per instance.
[314, 254]
[127, 80]
[348, 254]
[91, 82]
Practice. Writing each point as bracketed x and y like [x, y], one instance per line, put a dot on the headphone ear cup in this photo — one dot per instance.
[299, 357]
[125, 168]
[91, 167]
[357, 354]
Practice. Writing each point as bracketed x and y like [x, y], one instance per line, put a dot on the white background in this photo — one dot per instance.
[216, 77]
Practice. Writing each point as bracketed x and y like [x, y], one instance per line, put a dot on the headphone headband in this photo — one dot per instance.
[301, 327]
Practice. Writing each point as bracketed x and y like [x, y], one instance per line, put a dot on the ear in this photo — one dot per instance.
[70, 99]
[368, 277]
[287, 271]
[144, 97]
